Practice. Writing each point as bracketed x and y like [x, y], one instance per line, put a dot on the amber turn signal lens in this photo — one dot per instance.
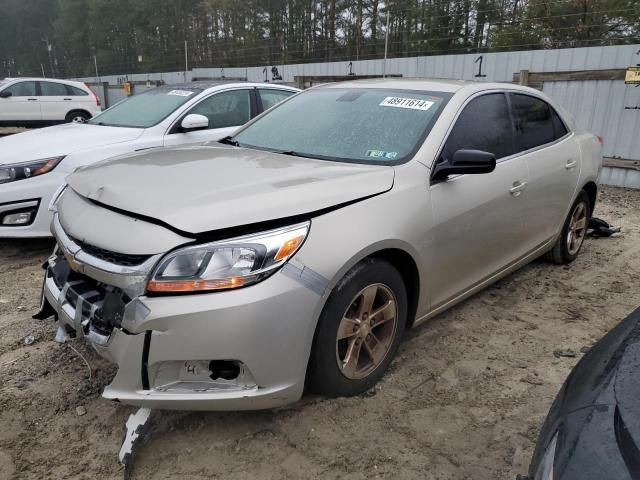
[194, 285]
[47, 167]
[288, 248]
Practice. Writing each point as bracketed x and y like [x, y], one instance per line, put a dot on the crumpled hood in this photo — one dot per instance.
[61, 140]
[203, 189]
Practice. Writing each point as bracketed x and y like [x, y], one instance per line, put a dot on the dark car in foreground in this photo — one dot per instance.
[592, 431]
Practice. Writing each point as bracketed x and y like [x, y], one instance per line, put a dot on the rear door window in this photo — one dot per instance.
[271, 96]
[51, 89]
[485, 125]
[536, 122]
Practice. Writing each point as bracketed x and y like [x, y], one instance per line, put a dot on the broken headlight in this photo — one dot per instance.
[227, 264]
[34, 168]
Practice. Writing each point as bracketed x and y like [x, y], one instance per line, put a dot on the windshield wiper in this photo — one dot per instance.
[229, 141]
[293, 153]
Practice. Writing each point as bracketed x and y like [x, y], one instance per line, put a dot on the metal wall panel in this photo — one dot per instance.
[499, 66]
[620, 177]
[598, 106]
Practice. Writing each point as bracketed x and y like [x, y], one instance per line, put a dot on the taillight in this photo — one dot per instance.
[600, 139]
[94, 94]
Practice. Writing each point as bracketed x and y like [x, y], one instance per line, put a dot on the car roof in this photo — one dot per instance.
[428, 84]
[206, 84]
[431, 84]
[42, 79]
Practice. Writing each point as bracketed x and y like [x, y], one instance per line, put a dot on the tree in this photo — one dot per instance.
[62, 37]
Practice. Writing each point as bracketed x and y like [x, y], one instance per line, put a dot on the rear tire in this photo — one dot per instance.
[574, 231]
[359, 330]
[77, 116]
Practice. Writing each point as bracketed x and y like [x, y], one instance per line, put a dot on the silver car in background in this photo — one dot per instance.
[298, 252]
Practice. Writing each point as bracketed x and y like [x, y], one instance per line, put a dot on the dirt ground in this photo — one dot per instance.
[463, 400]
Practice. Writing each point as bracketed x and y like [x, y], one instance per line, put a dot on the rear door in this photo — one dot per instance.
[226, 111]
[478, 219]
[553, 160]
[22, 105]
[55, 101]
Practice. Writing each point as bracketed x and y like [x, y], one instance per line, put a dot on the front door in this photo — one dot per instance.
[478, 219]
[227, 111]
[22, 105]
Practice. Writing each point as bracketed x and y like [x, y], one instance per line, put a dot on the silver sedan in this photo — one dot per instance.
[298, 252]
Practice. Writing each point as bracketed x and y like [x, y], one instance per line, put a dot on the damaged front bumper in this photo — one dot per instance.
[233, 350]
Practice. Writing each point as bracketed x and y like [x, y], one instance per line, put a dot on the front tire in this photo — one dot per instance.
[359, 330]
[574, 231]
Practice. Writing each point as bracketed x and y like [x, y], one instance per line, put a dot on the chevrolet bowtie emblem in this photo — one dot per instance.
[73, 263]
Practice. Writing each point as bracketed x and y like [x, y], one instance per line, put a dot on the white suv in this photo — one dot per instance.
[38, 101]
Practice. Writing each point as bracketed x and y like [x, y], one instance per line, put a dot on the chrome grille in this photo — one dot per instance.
[123, 259]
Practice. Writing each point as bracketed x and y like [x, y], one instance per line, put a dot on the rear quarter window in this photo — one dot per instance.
[76, 92]
[559, 128]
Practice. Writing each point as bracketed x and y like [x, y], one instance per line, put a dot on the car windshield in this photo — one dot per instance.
[382, 126]
[146, 109]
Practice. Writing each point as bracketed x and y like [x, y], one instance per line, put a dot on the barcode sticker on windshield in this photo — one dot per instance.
[180, 93]
[412, 103]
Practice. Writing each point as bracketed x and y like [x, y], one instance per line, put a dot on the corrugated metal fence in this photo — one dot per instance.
[605, 107]
[597, 105]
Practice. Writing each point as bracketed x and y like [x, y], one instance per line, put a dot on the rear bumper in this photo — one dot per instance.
[163, 346]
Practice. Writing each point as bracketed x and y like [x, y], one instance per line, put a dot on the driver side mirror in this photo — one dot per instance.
[194, 121]
[464, 162]
[5, 94]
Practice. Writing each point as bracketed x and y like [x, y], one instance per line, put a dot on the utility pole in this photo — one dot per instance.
[42, 67]
[95, 63]
[186, 61]
[46, 41]
[386, 46]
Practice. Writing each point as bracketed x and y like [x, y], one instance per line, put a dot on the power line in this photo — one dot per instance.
[342, 58]
[172, 60]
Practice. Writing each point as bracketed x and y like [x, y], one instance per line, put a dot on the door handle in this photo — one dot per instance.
[67, 99]
[570, 164]
[517, 188]
[32, 99]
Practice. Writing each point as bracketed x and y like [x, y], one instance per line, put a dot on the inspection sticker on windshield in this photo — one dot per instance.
[382, 154]
[180, 93]
[412, 103]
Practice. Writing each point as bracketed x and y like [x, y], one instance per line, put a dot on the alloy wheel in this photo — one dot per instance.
[577, 228]
[367, 331]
